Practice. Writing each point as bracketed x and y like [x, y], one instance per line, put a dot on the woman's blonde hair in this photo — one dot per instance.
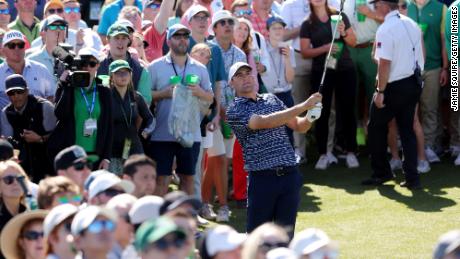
[4, 165]
[201, 46]
[256, 238]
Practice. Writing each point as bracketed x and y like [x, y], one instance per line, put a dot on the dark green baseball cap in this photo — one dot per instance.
[153, 230]
[117, 29]
[117, 65]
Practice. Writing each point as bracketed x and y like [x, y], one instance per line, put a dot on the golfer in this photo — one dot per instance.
[259, 123]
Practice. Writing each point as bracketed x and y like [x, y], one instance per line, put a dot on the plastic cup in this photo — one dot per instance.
[105, 80]
[339, 45]
[192, 79]
[361, 17]
[423, 27]
[226, 130]
[335, 19]
[174, 80]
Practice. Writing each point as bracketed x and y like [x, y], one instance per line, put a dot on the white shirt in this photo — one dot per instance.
[364, 31]
[395, 39]
[275, 81]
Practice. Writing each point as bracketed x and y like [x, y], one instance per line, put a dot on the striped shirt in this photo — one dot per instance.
[262, 149]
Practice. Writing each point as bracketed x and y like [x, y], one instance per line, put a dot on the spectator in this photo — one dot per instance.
[263, 239]
[164, 146]
[261, 11]
[314, 243]
[340, 78]
[93, 230]
[141, 170]
[132, 14]
[144, 209]
[222, 242]
[23, 236]
[56, 230]
[140, 44]
[179, 199]
[90, 129]
[155, 34]
[106, 186]
[118, 37]
[54, 191]
[187, 220]
[153, 235]
[448, 246]
[73, 163]
[6, 150]
[26, 22]
[4, 15]
[110, 13]
[28, 120]
[40, 81]
[124, 232]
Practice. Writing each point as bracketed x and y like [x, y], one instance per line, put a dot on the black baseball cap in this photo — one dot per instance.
[6, 150]
[388, 1]
[68, 156]
[15, 82]
[175, 199]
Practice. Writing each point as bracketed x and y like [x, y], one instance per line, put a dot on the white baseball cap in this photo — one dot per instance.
[57, 215]
[86, 216]
[145, 208]
[281, 253]
[308, 241]
[223, 238]
[234, 68]
[195, 9]
[87, 51]
[220, 15]
[105, 181]
[12, 35]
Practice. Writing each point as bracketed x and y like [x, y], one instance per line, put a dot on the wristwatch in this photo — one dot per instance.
[379, 91]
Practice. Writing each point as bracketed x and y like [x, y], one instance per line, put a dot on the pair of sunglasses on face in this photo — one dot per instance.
[74, 198]
[230, 22]
[53, 27]
[9, 179]
[68, 10]
[5, 11]
[32, 235]
[99, 225]
[177, 241]
[80, 165]
[19, 45]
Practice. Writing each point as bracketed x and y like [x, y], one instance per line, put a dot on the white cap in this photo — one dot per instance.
[57, 215]
[86, 216]
[220, 15]
[194, 9]
[447, 243]
[105, 181]
[123, 200]
[145, 208]
[281, 253]
[222, 239]
[87, 51]
[234, 68]
[308, 241]
[12, 35]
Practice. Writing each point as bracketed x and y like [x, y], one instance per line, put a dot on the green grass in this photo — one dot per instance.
[384, 222]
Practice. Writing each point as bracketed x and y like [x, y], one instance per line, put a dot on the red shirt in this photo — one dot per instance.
[259, 24]
[155, 41]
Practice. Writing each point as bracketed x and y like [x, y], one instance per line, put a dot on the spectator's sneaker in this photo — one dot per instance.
[207, 212]
[423, 166]
[323, 163]
[395, 164]
[454, 151]
[300, 160]
[457, 161]
[202, 221]
[175, 178]
[332, 159]
[352, 161]
[223, 214]
[431, 155]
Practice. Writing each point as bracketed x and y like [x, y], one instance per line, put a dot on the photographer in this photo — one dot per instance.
[27, 121]
[84, 113]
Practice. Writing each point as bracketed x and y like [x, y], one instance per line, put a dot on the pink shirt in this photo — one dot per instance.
[155, 41]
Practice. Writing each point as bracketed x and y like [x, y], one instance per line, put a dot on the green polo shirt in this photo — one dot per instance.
[433, 14]
[31, 35]
[447, 28]
[81, 115]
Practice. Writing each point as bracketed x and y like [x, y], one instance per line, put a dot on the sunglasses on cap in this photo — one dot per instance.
[179, 36]
[5, 11]
[242, 12]
[74, 198]
[230, 22]
[20, 45]
[9, 179]
[99, 225]
[163, 244]
[89, 63]
[111, 192]
[68, 10]
[54, 11]
[80, 165]
[154, 6]
[15, 92]
[55, 27]
[32, 235]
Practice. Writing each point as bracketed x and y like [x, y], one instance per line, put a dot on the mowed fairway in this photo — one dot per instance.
[384, 222]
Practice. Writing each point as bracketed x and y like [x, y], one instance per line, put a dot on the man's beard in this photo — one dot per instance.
[180, 50]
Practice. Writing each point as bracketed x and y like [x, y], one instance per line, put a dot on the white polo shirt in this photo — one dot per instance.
[395, 39]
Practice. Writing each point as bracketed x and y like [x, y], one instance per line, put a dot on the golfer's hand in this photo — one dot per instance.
[312, 101]
[341, 27]
[378, 100]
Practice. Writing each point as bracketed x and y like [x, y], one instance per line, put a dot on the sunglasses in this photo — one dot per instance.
[80, 165]
[56, 27]
[177, 241]
[68, 10]
[242, 12]
[74, 198]
[230, 22]
[111, 192]
[15, 92]
[5, 11]
[53, 11]
[179, 36]
[89, 63]
[154, 6]
[32, 235]
[9, 179]
[267, 246]
[122, 73]
[20, 45]
[98, 225]
[200, 18]
[68, 226]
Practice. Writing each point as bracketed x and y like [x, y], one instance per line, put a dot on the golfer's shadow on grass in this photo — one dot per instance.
[308, 202]
[418, 200]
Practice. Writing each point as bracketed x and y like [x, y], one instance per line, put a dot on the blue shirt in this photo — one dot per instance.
[110, 14]
[262, 149]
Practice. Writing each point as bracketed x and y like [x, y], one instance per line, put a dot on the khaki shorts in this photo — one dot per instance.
[221, 146]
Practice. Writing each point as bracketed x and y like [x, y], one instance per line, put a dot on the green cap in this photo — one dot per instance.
[117, 29]
[117, 65]
[153, 230]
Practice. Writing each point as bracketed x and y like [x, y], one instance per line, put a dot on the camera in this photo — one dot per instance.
[65, 59]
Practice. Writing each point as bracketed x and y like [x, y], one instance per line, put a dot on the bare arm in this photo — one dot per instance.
[383, 73]
[350, 37]
[300, 124]
[309, 52]
[161, 21]
[290, 34]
